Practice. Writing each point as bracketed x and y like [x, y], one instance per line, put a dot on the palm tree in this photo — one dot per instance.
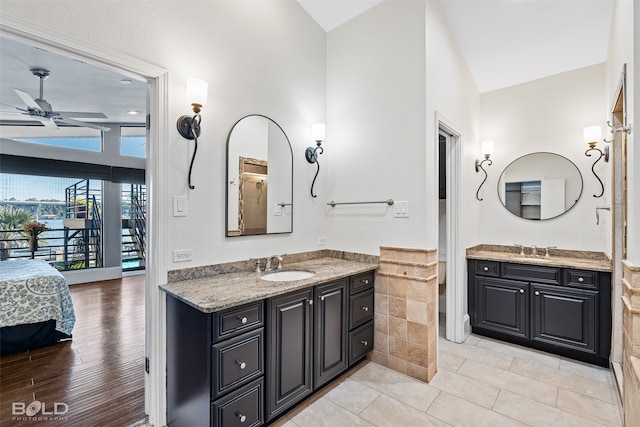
[12, 220]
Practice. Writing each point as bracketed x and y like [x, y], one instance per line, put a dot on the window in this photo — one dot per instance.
[133, 141]
[68, 137]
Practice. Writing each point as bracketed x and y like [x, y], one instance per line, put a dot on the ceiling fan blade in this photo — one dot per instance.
[47, 122]
[17, 108]
[28, 100]
[84, 124]
[80, 115]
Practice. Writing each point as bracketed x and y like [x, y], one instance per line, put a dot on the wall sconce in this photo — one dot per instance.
[487, 150]
[311, 153]
[592, 135]
[189, 127]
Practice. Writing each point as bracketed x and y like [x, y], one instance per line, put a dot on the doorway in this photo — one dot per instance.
[158, 205]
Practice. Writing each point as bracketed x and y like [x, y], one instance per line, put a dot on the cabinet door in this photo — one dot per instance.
[564, 316]
[501, 306]
[289, 332]
[330, 332]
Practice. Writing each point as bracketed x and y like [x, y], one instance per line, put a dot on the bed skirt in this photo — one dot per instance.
[20, 338]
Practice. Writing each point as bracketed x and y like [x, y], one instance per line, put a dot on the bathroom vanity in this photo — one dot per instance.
[560, 304]
[241, 351]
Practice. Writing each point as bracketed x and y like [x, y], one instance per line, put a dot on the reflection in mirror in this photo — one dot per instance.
[259, 178]
[540, 186]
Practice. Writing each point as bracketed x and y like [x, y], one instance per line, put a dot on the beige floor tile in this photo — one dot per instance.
[461, 413]
[537, 390]
[466, 388]
[596, 388]
[388, 412]
[353, 396]
[589, 407]
[499, 360]
[449, 361]
[399, 386]
[536, 414]
[325, 413]
[520, 352]
[587, 370]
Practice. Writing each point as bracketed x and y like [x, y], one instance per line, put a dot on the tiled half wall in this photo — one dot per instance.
[406, 314]
[631, 340]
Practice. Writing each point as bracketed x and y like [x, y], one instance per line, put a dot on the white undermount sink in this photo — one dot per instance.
[287, 275]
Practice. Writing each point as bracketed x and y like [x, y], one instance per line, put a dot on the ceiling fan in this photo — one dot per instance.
[39, 109]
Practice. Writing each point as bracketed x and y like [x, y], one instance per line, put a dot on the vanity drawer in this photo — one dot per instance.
[360, 308]
[237, 361]
[360, 342]
[234, 321]
[581, 278]
[361, 282]
[488, 268]
[242, 408]
[531, 273]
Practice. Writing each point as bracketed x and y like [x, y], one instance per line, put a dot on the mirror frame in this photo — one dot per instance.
[226, 192]
[502, 202]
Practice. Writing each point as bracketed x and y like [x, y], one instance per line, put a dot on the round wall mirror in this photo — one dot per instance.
[259, 178]
[540, 186]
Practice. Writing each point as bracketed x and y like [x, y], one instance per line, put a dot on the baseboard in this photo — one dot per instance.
[88, 275]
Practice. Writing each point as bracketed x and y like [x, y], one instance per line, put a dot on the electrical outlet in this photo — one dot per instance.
[182, 255]
[277, 211]
[322, 241]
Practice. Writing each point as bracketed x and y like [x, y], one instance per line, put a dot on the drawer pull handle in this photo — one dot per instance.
[243, 320]
[242, 417]
[580, 279]
[365, 308]
[537, 292]
[486, 268]
[241, 364]
[365, 343]
[522, 291]
[365, 281]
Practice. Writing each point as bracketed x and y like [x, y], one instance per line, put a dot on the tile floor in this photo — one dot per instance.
[481, 382]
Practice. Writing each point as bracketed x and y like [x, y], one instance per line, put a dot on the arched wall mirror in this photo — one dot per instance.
[259, 178]
[540, 186]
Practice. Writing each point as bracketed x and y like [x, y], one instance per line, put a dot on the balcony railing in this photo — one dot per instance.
[65, 249]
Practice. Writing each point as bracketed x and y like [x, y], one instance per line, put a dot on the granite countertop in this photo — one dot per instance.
[217, 292]
[566, 258]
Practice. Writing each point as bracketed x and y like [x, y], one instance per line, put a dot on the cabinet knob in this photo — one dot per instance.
[322, 298]
[486, 268]
[537, 292]
[522, 291]
[580, 279]
[241, 364]
[243, 320]
[242, 417]
[310, 302]
[365, 343]
[365, 281]
[365, 308]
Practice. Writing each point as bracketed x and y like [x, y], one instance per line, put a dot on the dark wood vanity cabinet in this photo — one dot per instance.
[560, 310]
[247, 365]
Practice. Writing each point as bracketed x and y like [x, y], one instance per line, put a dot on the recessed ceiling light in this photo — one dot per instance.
[126, 81]
[133, 112]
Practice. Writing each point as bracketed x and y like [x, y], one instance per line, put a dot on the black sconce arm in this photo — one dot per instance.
[311, 154]
[189, 128]
[480, 168]
[604, 154]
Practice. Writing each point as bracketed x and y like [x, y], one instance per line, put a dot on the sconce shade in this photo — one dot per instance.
[487, 148]
[197, 90]
[318, 131]
[592, 135]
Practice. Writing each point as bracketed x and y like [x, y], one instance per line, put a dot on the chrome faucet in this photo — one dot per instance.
[534, 250]
[270, 259]
[521, 248]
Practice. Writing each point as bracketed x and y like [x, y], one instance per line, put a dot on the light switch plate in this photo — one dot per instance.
[401, 209]
[180, 207]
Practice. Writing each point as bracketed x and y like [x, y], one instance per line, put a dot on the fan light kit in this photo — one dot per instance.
[39, 109]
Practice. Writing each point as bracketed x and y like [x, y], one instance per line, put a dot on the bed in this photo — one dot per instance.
[35, 306]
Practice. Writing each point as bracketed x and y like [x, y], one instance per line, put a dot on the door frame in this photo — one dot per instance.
[158, 203]
[457, 319]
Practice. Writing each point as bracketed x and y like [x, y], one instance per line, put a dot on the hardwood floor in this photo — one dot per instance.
[99, 374]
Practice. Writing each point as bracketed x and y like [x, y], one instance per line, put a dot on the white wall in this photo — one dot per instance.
[258, 57]
[388, 71]
[547, 115]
